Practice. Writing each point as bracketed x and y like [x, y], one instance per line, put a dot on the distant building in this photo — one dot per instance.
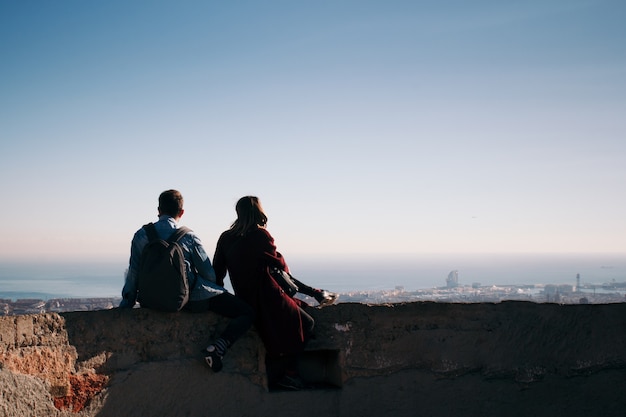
[453, 279]
[552, 289]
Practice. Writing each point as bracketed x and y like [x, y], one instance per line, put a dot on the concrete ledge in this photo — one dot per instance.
[511, 358]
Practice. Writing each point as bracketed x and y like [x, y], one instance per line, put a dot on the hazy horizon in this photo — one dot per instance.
[340, 274]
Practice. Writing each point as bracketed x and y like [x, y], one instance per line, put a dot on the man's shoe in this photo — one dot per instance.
[290, 383]
[212, 358]
[326, 298]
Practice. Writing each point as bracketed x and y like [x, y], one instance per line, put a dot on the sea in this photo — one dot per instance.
[344, 274]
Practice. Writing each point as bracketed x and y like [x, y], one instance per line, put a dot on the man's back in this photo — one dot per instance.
[197, 263]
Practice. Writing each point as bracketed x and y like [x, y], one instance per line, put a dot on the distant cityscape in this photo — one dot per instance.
[453, 292]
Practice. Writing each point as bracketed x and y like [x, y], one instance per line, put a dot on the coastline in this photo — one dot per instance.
[342, 274]
[545, 293]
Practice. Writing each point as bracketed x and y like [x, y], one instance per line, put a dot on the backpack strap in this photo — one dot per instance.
[175, 237]
[151, 231]
[178, 234]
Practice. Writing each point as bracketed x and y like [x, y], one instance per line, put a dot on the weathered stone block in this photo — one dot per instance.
[7, 333]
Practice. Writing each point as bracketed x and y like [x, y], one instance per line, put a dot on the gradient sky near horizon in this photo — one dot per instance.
[365, 127]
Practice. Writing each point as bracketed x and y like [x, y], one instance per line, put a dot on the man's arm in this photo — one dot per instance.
[129, 292]
[201, 260]
[219, 262]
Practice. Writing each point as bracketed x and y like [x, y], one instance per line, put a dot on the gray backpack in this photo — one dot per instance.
[162, 278]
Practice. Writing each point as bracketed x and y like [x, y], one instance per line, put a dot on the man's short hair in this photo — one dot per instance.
[171, 202]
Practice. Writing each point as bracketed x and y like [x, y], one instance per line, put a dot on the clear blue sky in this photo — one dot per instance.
[367, 127]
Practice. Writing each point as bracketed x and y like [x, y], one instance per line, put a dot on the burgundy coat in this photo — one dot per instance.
[247, 260]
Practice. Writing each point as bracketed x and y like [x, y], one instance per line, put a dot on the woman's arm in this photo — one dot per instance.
[219, 261]
[271, 257]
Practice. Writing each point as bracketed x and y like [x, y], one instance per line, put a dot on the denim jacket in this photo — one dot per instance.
[199, 266]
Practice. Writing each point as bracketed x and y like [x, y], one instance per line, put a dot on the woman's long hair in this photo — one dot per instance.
[249, 215]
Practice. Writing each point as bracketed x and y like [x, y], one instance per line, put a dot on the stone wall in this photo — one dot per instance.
[430, 359]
